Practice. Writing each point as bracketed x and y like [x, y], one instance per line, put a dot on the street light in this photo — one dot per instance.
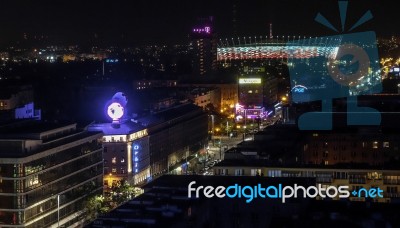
[58, 210]
[220, 150]
[227, 129]
[212, 128]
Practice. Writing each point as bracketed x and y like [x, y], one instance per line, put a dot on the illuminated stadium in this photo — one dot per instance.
[276, 48]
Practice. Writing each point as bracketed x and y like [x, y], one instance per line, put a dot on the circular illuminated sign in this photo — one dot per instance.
[115, 111]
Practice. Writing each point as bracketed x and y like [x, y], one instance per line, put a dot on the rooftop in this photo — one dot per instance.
[18, 128]
[133, 125]
[171, 113]
[125, 128]
[259, 163]
[24, 138]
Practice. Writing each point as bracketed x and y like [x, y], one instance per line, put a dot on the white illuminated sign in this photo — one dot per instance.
[138, 135]
[115, 111]
[125, 138]
[249, 80]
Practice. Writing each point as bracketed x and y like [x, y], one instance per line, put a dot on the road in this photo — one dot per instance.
[219, 144]
[217, 147]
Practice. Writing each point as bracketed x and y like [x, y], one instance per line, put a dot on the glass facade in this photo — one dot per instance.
[47, 187]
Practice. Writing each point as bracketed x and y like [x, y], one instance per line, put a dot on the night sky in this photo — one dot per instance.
[161, 21]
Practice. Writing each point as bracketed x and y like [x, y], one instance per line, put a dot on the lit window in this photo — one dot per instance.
[114, 170]
[386, 144]
[375, 145]
[122, 160]
[114, 160]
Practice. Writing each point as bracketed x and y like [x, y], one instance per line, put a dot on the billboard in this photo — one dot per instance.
[249, 80]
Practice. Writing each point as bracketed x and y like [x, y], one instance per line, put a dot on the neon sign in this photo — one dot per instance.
[206, 29]
[135, 157]
[138, 135]
[299, 89]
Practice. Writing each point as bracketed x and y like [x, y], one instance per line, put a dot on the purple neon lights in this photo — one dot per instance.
[205, 29]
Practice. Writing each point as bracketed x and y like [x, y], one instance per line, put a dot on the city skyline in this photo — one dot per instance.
[116, 113]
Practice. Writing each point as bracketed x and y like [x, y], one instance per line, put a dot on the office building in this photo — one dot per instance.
[47, 172]
[137, 149]
[204, 47]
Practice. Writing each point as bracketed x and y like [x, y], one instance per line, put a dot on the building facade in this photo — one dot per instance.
[364, 157]
[47, 171]
[15, 96]
[387, 179]
[204, 47]
[224, 98]
[139, 149]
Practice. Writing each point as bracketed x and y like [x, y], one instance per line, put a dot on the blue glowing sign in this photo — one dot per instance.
[299, 89]
[135, 157]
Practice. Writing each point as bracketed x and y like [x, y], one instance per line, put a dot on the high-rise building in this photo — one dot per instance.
[258, 90]
[47, 172]
[251, 92]
[204, 46]
[250, 104]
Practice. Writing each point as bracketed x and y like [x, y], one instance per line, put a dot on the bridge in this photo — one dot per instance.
[276, 48]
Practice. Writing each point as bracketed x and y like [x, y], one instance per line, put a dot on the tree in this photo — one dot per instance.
[94, 206]
[123, 192]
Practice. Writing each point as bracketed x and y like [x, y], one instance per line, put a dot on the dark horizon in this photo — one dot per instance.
[133, 23]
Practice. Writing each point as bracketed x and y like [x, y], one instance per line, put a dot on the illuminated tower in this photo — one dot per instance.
[270, 30]
[204, 46]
